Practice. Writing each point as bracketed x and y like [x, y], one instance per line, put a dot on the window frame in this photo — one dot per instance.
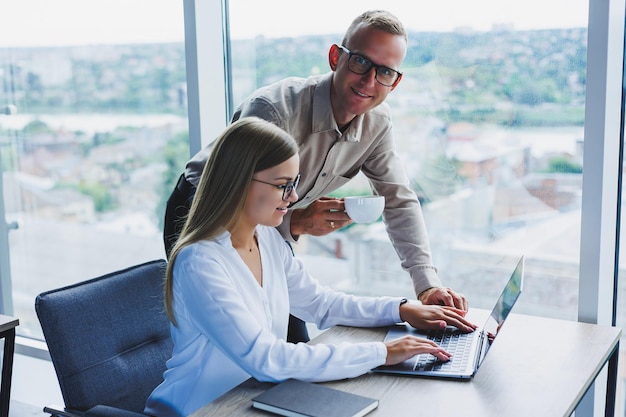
[600, 197]
[602, 179]
[599, 248]
[209, 101]
[601, 191]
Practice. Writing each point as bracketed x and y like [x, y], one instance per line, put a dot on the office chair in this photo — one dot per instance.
[109, 339]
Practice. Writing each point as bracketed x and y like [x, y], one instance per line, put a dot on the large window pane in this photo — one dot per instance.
[93, 135]
[489, 118]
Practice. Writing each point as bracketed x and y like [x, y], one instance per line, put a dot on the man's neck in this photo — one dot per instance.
[344, 127]
[343, 120]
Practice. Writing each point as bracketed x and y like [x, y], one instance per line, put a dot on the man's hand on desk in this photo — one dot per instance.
[431, 317]
[444, 297]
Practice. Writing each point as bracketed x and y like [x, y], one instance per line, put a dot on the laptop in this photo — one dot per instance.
[468, 349]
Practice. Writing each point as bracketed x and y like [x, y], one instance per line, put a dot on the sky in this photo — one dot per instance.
[72, 22]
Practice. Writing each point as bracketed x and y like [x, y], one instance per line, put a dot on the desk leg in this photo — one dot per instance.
[611, 388]
[7, 370]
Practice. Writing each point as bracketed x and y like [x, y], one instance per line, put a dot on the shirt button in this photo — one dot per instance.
[323, 174]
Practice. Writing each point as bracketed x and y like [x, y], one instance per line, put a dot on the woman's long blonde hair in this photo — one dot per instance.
[247, 146]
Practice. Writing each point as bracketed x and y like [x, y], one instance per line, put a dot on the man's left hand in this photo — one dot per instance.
[445, 297]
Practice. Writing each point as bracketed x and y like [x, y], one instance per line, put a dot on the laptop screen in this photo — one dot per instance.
[503, 307]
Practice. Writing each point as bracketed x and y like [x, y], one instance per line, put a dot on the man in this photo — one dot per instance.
[342, 126]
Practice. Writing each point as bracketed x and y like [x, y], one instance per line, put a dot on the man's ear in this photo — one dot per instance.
[333, 56]
[396, 83]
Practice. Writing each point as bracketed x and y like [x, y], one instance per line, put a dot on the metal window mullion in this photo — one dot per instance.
[601, 179]
[206, 65]
[6, 291]
[600, 197]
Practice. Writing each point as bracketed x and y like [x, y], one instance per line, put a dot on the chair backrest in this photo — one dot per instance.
[108, 337]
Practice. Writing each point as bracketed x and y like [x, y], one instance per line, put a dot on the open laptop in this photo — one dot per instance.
[471, 348]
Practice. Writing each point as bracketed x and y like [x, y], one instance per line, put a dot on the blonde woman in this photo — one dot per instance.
[232, 281]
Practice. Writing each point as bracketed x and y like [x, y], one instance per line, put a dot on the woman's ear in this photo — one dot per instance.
[333, 56]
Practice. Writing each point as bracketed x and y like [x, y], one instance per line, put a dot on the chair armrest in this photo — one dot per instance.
[108, 411]
[60, 411]
[97, 411]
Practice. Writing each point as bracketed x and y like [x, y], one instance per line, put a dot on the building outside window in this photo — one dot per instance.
[489, 119]
[93, 136]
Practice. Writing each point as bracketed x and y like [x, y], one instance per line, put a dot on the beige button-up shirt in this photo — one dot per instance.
[330, 158]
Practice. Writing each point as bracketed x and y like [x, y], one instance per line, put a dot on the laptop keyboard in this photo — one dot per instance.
[452, 341]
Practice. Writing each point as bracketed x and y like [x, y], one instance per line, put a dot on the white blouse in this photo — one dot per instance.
[230, 328]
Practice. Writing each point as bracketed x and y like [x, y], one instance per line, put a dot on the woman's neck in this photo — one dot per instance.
[243, 240]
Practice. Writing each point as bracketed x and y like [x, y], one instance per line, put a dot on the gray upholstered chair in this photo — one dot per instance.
[109, 340]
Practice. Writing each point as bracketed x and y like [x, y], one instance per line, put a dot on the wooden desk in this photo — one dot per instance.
[7, 332]
[537, 367]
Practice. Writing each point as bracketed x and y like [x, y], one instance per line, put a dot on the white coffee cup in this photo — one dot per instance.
[364, 209]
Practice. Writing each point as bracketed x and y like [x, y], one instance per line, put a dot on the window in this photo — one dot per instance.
[489, 118]
[93, 136]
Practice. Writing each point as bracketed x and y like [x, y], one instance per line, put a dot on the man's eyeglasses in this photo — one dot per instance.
[358, 64]
[287, 188]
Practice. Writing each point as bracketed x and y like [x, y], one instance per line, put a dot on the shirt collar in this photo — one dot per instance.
[323, 119]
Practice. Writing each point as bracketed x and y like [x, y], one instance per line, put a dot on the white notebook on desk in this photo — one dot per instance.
[470, 349]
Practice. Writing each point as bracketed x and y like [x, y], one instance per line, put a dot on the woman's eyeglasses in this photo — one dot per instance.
[287, 188]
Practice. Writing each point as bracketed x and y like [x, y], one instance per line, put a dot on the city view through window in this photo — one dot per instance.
[495, 164]
[490, 126]
[93, 136]
[491, 129]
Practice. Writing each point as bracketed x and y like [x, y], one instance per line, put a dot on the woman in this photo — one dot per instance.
[232, 281]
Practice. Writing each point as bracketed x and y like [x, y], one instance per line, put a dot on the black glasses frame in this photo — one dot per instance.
[368, 64]
[287, 188]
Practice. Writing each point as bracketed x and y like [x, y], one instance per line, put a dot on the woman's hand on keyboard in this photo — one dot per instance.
[399, 350]
[432, 317]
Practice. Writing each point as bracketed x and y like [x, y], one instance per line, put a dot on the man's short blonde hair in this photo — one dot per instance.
[379, 19]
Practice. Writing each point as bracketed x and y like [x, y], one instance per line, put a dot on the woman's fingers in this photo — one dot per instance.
[404, 348]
